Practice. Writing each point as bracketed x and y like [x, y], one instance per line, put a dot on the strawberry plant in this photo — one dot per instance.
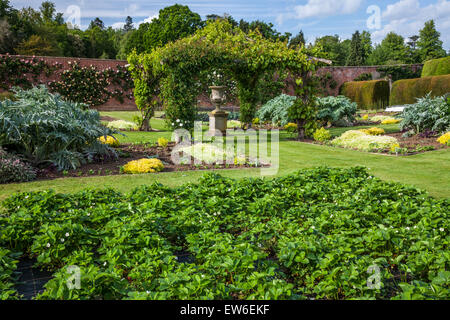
[316, 234]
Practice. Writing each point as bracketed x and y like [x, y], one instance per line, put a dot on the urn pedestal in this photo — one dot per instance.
[217, 121]
[217, 118]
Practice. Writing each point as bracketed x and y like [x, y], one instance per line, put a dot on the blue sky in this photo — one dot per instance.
[315, 17]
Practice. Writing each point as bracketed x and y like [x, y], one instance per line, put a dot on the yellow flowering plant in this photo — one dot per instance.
[163, 142]
[390, 121]
[143, 166]
[373, 131]
[444, 139]
[109, 140]
[322, 135]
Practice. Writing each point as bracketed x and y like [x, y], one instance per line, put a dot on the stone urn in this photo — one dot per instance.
[218, 118]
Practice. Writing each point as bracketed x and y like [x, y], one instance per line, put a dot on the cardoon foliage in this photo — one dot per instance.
[46, 130]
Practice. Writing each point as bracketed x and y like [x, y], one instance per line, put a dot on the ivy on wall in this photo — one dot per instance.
[79, 84]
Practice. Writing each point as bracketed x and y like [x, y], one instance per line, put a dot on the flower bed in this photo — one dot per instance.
[128, 153]
[310, 235]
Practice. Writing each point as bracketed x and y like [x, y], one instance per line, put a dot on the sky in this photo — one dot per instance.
[315, 17]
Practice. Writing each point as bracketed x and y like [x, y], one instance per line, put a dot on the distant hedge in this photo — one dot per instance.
[407, 91]
[436, 67]
[367, 94]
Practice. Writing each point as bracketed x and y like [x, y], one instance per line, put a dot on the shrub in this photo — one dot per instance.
[291, 127]
[45, 129]
[13, 169]
[390, 121]
[444, 139]
[427, 114]
[122, 125]
[233, 116]
[399, 72]
[322, 135]
[233, 124]
[408, 91]
[367, 94]
[364, 77]
[143, 166]
[336, 110]
[110, 141]
[276, 110]
[355, 139]
[163, 142]
[373, 131]
[436, 67]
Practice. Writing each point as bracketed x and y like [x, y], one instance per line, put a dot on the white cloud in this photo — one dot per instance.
[406, 17]
[325, 8]
[120, 25]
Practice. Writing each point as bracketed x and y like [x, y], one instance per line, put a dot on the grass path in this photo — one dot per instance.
[429, 171]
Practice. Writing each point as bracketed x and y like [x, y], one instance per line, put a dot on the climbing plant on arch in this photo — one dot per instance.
[178, 70]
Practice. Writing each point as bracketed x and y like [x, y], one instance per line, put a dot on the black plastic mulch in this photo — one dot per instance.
[31, 280]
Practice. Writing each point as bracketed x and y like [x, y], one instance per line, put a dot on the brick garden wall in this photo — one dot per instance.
[339, 74]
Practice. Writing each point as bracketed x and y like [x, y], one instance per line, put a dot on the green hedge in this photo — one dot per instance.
[367, 94]
[436, 67]
[407, 91]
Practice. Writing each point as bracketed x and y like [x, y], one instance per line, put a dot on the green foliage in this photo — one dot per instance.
[180, 67]
[45, 130]
[336, 110]
[311, 234]
[322, 135]
[364, 77]
[335, 49]
[408, 91]
[13, 169]
[23, 72]
[429, 44]
[8, 274]
[392, 50]
[436, 67]
[304, 110]
[91, 86]
[428, 114]
[276, 110]
[360, 49]
[367, 94]
[399, 72]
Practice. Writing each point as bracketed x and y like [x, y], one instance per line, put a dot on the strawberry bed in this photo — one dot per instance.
[316, 234]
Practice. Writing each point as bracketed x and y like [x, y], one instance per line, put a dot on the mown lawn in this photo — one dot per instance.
[429, 171]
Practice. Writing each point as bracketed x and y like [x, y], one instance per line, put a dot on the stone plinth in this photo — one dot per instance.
[218, 121]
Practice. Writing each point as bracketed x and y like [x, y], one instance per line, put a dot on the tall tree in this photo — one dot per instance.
[173, 23]
[429, 43]
[128, 24]
[392, 50]
[298, 40]
[366, 44]
[333, 49]
[356, 55]
[97, 22]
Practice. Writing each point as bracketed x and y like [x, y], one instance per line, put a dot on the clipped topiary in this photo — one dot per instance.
[367, 94]
[436, 67]
[408, 91]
